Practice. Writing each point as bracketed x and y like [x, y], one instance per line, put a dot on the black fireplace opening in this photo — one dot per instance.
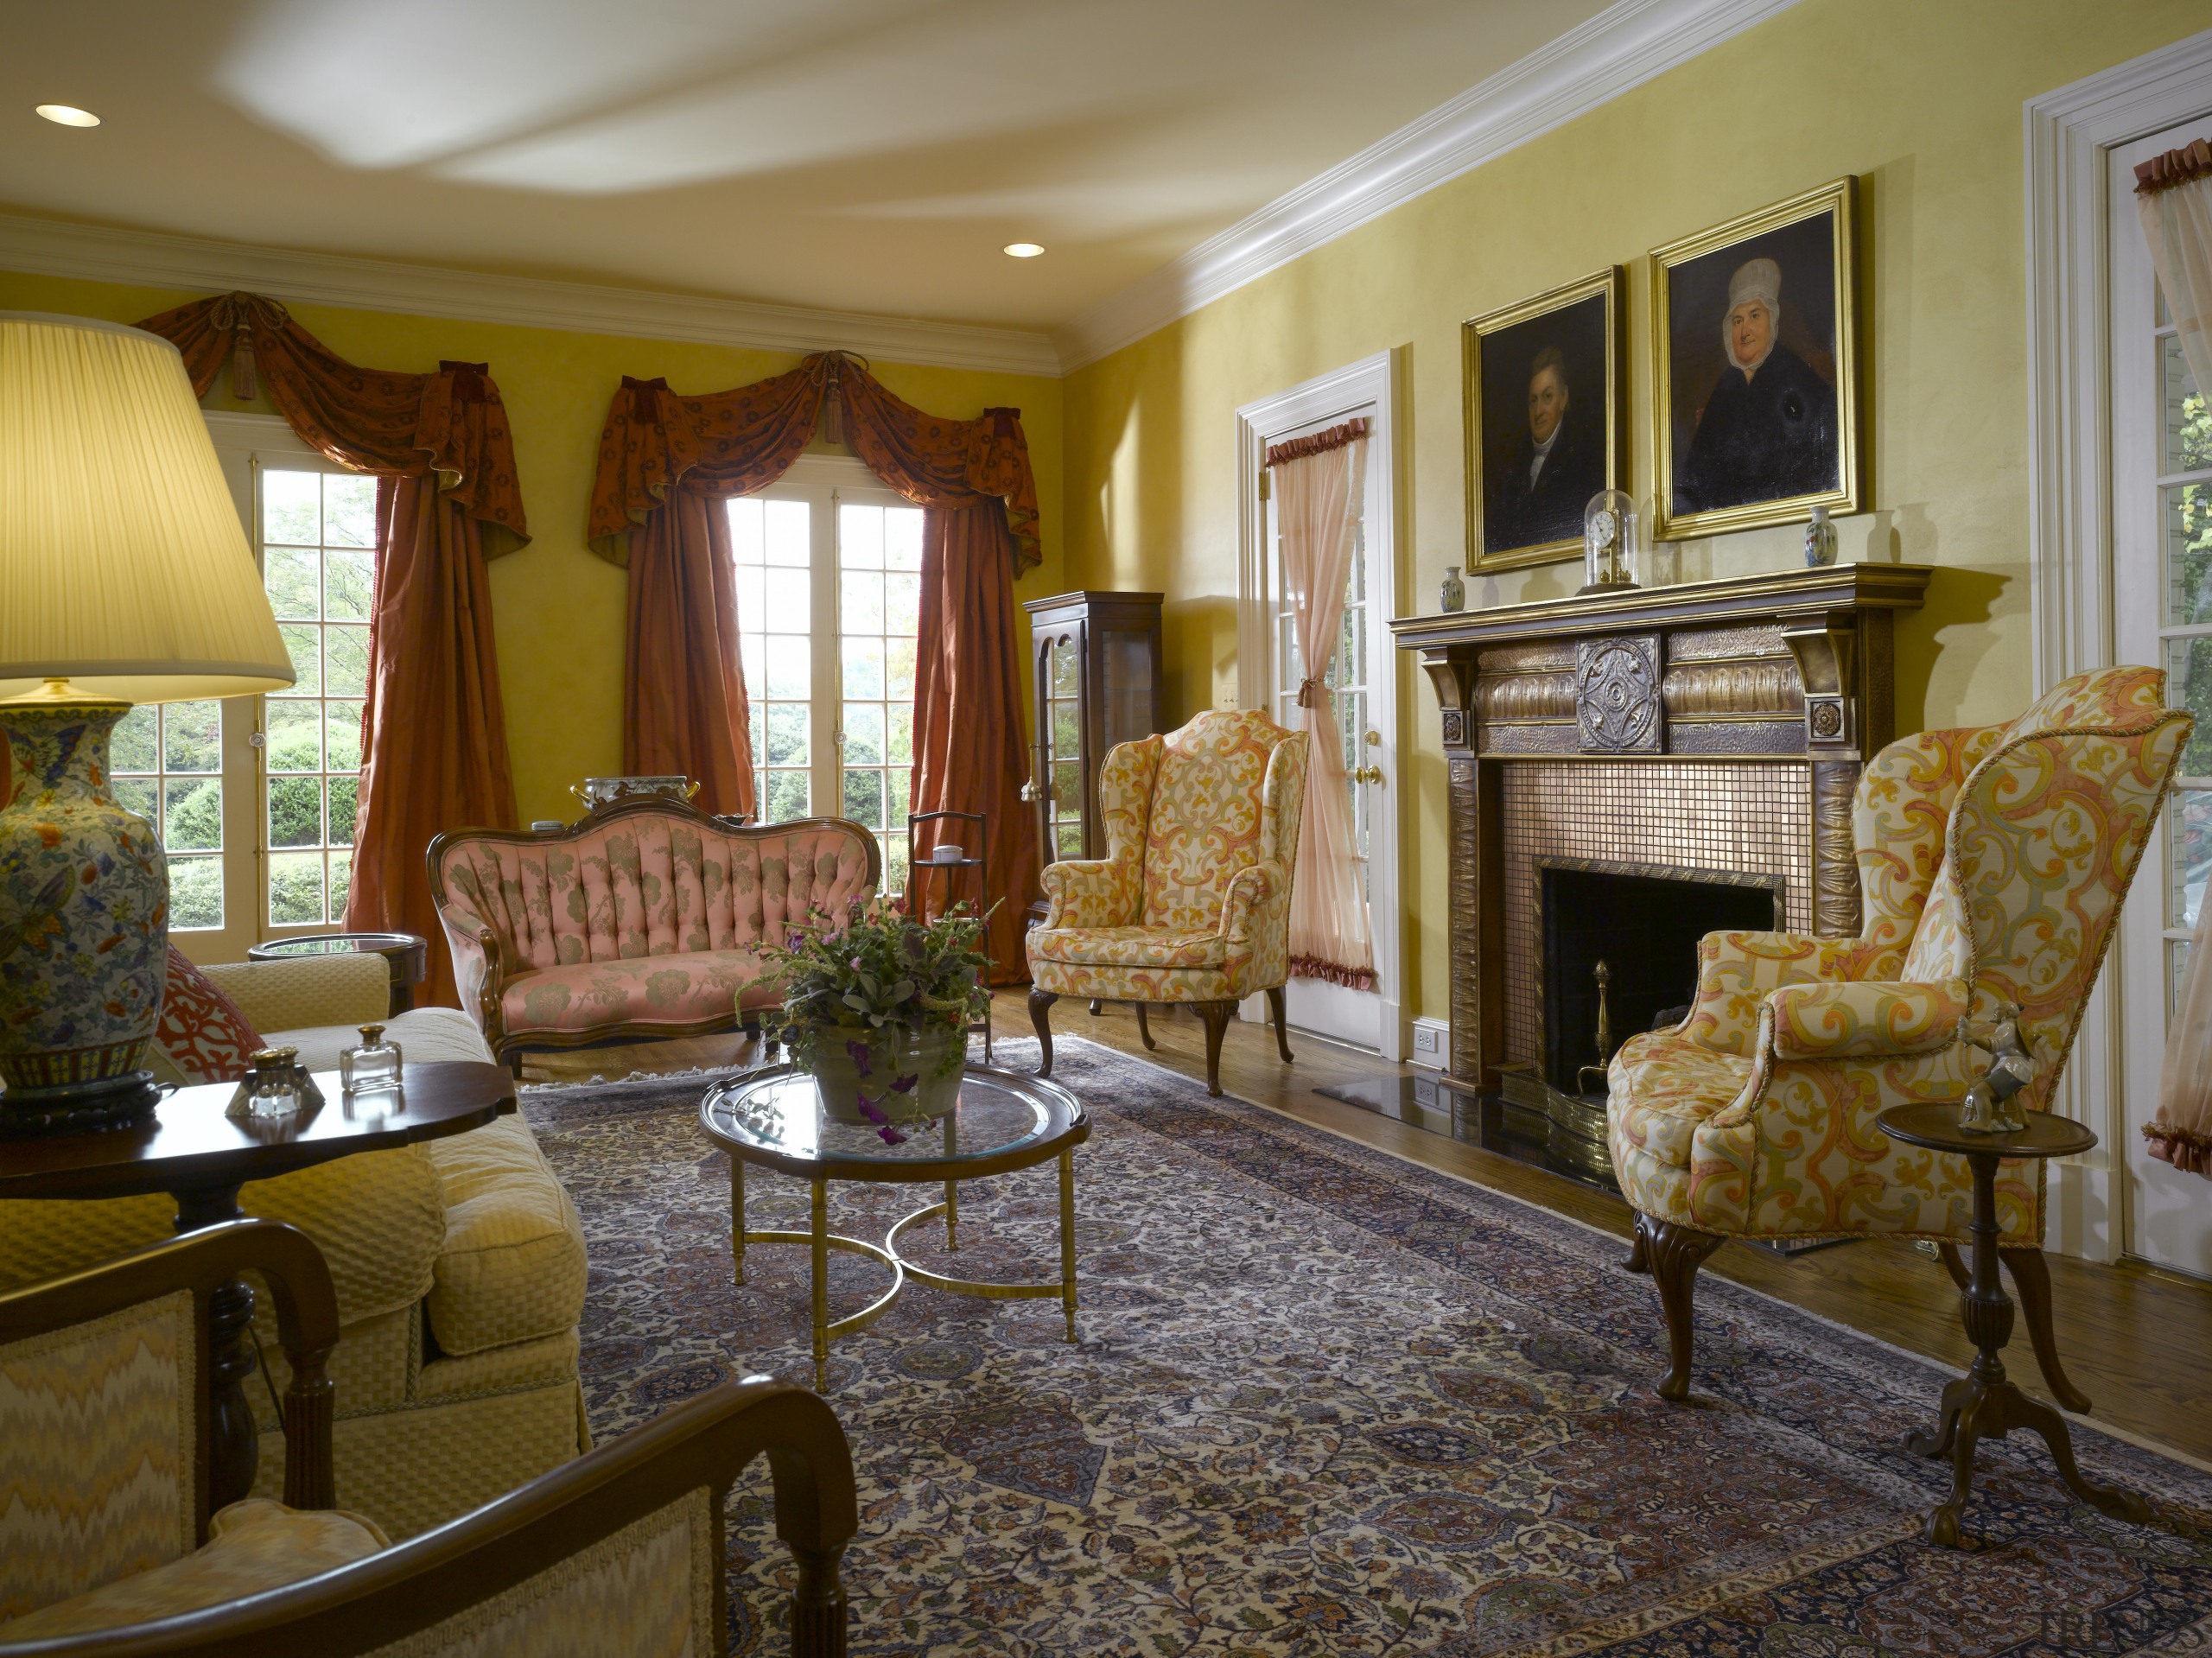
[1645, 929]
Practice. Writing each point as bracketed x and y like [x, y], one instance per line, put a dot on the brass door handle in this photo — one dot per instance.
[1367, 774]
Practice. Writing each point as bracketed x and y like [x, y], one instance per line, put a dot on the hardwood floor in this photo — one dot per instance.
[2134, 1339]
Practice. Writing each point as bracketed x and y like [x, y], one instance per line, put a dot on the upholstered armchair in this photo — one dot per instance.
[1992, 864]
[106, 1546]
[1191, 903]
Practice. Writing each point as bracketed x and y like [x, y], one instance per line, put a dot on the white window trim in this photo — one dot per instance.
[1375, 384]
[2068, 133]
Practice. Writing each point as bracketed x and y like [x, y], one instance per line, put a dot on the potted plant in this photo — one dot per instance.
[878, 1011]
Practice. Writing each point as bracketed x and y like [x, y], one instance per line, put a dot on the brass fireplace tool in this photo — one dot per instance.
[1604, 975]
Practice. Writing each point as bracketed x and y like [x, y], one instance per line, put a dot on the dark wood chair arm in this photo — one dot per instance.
[705, 1441]
[307, 1327]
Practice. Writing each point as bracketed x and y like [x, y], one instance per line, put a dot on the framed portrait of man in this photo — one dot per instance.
[1755, 380]
[1544, 420]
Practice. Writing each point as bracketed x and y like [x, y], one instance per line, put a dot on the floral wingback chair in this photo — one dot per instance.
[1191, 903]
[1992, 864]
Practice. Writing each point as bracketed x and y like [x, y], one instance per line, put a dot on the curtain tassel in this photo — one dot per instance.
[1311, 691]
[833, 404]
[242, 382]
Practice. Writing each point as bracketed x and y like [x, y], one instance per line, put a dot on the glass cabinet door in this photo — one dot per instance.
[1063, 743]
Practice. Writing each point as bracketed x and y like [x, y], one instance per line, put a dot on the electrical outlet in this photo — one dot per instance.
[1432, 1043]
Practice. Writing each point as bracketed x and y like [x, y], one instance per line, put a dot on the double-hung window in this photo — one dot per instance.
[829, 596]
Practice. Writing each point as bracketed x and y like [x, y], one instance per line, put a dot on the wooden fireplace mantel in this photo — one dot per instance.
[1792, 669]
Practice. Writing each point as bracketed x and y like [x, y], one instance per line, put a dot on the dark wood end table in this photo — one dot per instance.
[1985, 1403]
[199, 1157]
[405, 953]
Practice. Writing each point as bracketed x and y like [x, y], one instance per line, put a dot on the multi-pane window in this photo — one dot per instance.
[879, 613]
[166, 764]
[2185, 627]
[317, 533]
[774, 545]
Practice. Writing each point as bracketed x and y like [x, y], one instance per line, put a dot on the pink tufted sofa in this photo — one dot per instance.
[644, 918]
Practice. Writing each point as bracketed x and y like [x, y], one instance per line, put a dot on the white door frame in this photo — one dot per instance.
[1373, 383]
[2068, 133]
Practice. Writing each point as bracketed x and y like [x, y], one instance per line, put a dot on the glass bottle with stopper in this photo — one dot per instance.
[372, 1069]
[1612, 546]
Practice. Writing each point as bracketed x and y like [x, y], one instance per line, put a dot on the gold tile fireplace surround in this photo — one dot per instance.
[1710, 730]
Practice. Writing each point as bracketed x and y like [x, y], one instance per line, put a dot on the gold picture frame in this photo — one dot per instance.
[1564, 333]
[1741, 453]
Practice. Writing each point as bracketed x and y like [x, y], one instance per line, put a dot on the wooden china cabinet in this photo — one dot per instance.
[1097, 679]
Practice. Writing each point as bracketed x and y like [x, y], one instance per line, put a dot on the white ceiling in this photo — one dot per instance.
[853, 154]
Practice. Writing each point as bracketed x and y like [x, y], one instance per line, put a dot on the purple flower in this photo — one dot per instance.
[890, 1136]
[858, 1052]
[905, 1084]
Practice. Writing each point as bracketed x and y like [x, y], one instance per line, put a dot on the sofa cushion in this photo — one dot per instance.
[422, 1032]
[512, 1268]
[253, 1545]
[1131, 946]
[202, 1033]
[347, 989]
[651, 990]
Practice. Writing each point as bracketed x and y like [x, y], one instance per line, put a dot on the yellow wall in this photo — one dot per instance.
[558, 608]
[1921, 99]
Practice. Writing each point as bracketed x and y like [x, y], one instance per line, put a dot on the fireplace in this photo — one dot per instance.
[1617, 948]
[1667, 761]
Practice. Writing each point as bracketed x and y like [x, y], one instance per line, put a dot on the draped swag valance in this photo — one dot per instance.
[387, 424]
[434, 739]
[733, 442]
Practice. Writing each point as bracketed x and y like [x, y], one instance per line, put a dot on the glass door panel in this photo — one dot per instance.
[773, 543]
[879, 616]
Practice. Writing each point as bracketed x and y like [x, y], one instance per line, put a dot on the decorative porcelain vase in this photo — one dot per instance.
[1820, 540]
[84, 927]
[1454, 597]
[842, 1076]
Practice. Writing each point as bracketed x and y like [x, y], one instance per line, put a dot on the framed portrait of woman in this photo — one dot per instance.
[1545, 429]
[1755, 381]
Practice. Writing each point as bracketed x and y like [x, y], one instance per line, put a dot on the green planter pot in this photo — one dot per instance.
[838, 1075]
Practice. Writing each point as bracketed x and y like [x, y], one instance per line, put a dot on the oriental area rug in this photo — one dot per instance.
[1327, 1402]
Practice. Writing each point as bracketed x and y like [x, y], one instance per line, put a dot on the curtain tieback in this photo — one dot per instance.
[1312, 693]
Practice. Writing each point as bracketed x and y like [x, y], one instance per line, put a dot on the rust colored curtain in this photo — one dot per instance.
[969, 752]
[667, 462]
[433, 731]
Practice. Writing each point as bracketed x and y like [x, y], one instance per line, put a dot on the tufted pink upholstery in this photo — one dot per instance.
[648, 916]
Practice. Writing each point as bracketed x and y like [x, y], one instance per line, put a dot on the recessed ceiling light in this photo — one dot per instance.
[68, 115]
[1025, 250]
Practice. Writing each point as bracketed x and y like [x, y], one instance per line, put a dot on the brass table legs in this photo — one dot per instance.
[820, 1241]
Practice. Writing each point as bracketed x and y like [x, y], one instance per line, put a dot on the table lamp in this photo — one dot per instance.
[125, 577]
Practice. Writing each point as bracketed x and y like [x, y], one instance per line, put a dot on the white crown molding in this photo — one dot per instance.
[1619, 49]
[102, 253]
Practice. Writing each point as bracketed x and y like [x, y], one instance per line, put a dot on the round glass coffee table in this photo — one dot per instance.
[1004, 1121]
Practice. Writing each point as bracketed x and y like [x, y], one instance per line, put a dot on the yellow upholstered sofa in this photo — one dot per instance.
[1992, 864]
[458, 1268]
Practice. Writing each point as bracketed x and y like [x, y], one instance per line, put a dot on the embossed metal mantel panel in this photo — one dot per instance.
[1617, 706]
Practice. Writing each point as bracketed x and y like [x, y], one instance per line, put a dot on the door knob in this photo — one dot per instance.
[1367, 774]
[1373, 738]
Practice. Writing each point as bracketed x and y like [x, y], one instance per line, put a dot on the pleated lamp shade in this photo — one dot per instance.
[123, 565]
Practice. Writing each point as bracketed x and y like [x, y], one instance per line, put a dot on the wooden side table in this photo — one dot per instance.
[406, 954]
[1985, 1403]
[192, 1150]
[918, 891]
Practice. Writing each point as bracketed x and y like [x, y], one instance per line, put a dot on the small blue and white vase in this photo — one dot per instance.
[1454, 596]
[1820, 540]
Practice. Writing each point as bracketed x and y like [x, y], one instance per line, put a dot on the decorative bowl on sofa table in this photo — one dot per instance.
[643, 919]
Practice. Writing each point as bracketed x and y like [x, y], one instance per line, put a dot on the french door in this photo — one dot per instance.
[828, 603]
[2162, 566]
[1361, 674]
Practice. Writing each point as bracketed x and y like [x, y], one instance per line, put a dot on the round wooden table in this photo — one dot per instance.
[196, 1154]
[407, 955]
[1985, 1403]
[1003, 1121]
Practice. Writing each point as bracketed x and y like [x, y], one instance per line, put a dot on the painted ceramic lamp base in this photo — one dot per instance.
[84, 926]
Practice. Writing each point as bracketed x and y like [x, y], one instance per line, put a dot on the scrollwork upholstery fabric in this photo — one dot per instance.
[1993, 864]
[1191, 902]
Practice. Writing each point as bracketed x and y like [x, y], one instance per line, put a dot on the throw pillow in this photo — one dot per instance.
[202, 1033]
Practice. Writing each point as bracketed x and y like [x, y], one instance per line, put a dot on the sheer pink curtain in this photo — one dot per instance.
[1318, 485]
[2174, 193]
